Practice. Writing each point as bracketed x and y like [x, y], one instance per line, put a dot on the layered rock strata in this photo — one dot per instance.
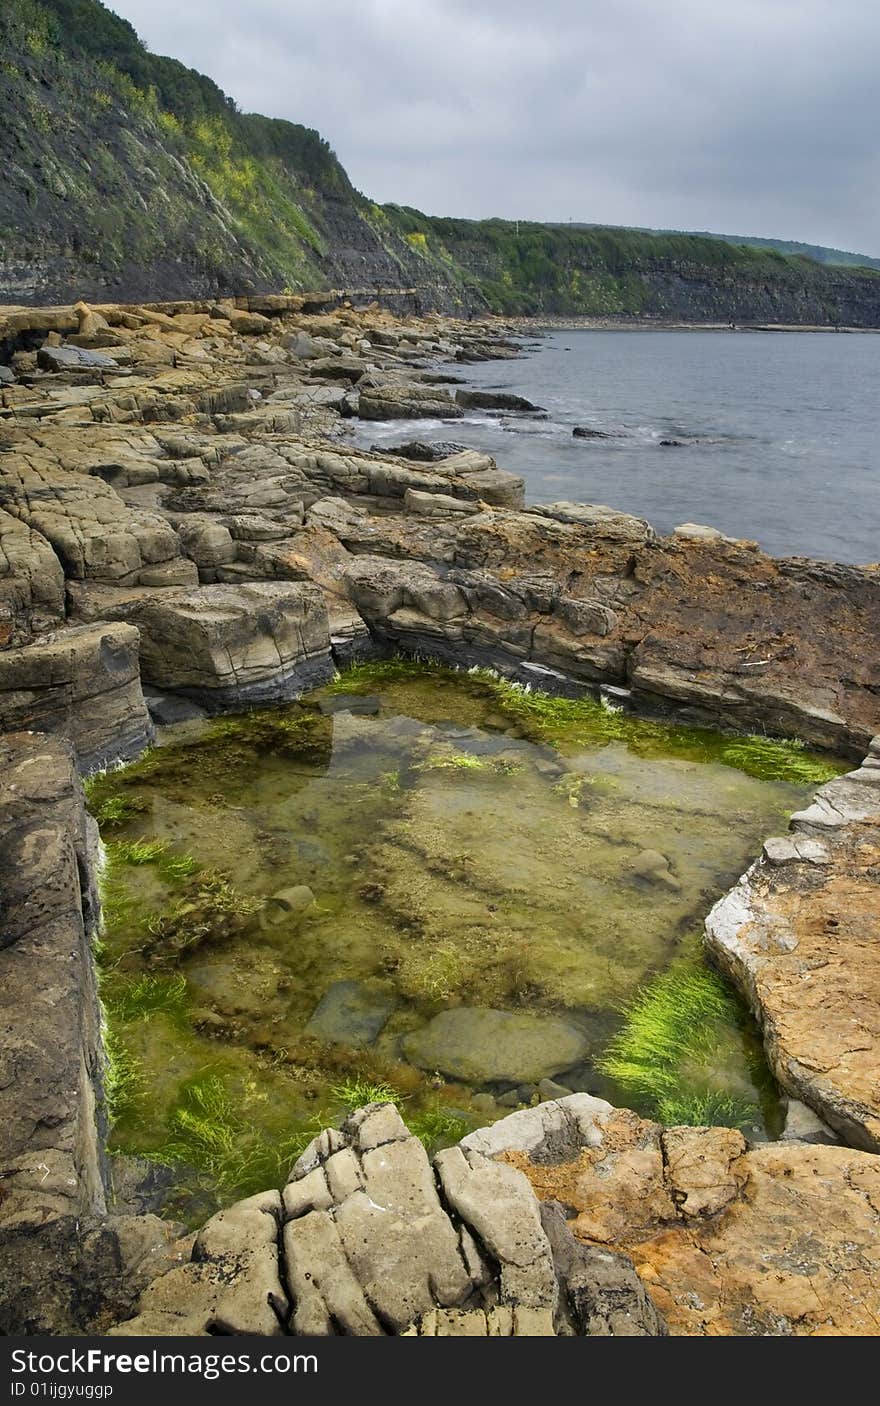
[209, 453]
[63, 1261]
[180, 510]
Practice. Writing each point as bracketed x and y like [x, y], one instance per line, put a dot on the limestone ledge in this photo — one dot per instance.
[799, 936]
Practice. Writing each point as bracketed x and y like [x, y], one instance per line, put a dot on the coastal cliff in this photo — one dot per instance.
[127, 175]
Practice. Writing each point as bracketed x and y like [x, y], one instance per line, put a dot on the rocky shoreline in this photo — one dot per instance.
[184, 529]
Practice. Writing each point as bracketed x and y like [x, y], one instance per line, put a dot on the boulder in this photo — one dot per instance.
[480, 1045]
[230, 1287]
[304, 347]
[498, 488]
[340, 368]
[90, 322]
[249, 324]
[232, 646]
[206, 542]
[419, 450]
[68, 358]
[396, 401]
[430, 504]
[605, 522]
[379, 587]
[494, 400]
[350, 1013]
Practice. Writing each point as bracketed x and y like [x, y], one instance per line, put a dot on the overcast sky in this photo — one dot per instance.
[741, 116]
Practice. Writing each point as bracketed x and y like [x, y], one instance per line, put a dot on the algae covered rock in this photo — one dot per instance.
[478, 1045]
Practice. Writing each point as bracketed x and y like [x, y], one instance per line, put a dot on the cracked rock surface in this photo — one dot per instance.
[570, 1218]
[371, 1239]
[207, 451]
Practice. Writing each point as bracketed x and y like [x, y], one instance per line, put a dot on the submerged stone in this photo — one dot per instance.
[365, 707]
[350, 1013]
[477, 1045]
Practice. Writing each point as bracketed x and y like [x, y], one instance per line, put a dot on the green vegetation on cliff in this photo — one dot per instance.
[129, 175]
[527, 268]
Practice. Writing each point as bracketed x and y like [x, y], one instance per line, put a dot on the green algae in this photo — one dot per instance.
[469, 843]
[123, 1081]
[144, 996]
[208, 1134]
[357, 1093]
[673, 1057]
[590, 720]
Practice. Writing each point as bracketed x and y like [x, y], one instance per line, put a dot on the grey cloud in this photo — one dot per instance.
[755, 118]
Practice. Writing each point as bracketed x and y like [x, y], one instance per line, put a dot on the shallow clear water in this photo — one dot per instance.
[779, 431]
[328, 879]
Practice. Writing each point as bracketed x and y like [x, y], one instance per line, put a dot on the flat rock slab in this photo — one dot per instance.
[349, 1013]
[74, 359]
[479, 1045]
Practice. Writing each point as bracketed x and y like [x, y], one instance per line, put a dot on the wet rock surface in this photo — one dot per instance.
[479, 1045]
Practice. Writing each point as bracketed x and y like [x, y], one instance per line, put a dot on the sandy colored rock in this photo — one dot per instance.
[31, 582]
[230, 1287]
[94, 534]
[403, 401]
[779, 1239]
[799, 940]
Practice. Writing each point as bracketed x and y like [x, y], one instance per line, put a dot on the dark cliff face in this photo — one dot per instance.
[552, 269]
[130, 177]
[127, 176]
